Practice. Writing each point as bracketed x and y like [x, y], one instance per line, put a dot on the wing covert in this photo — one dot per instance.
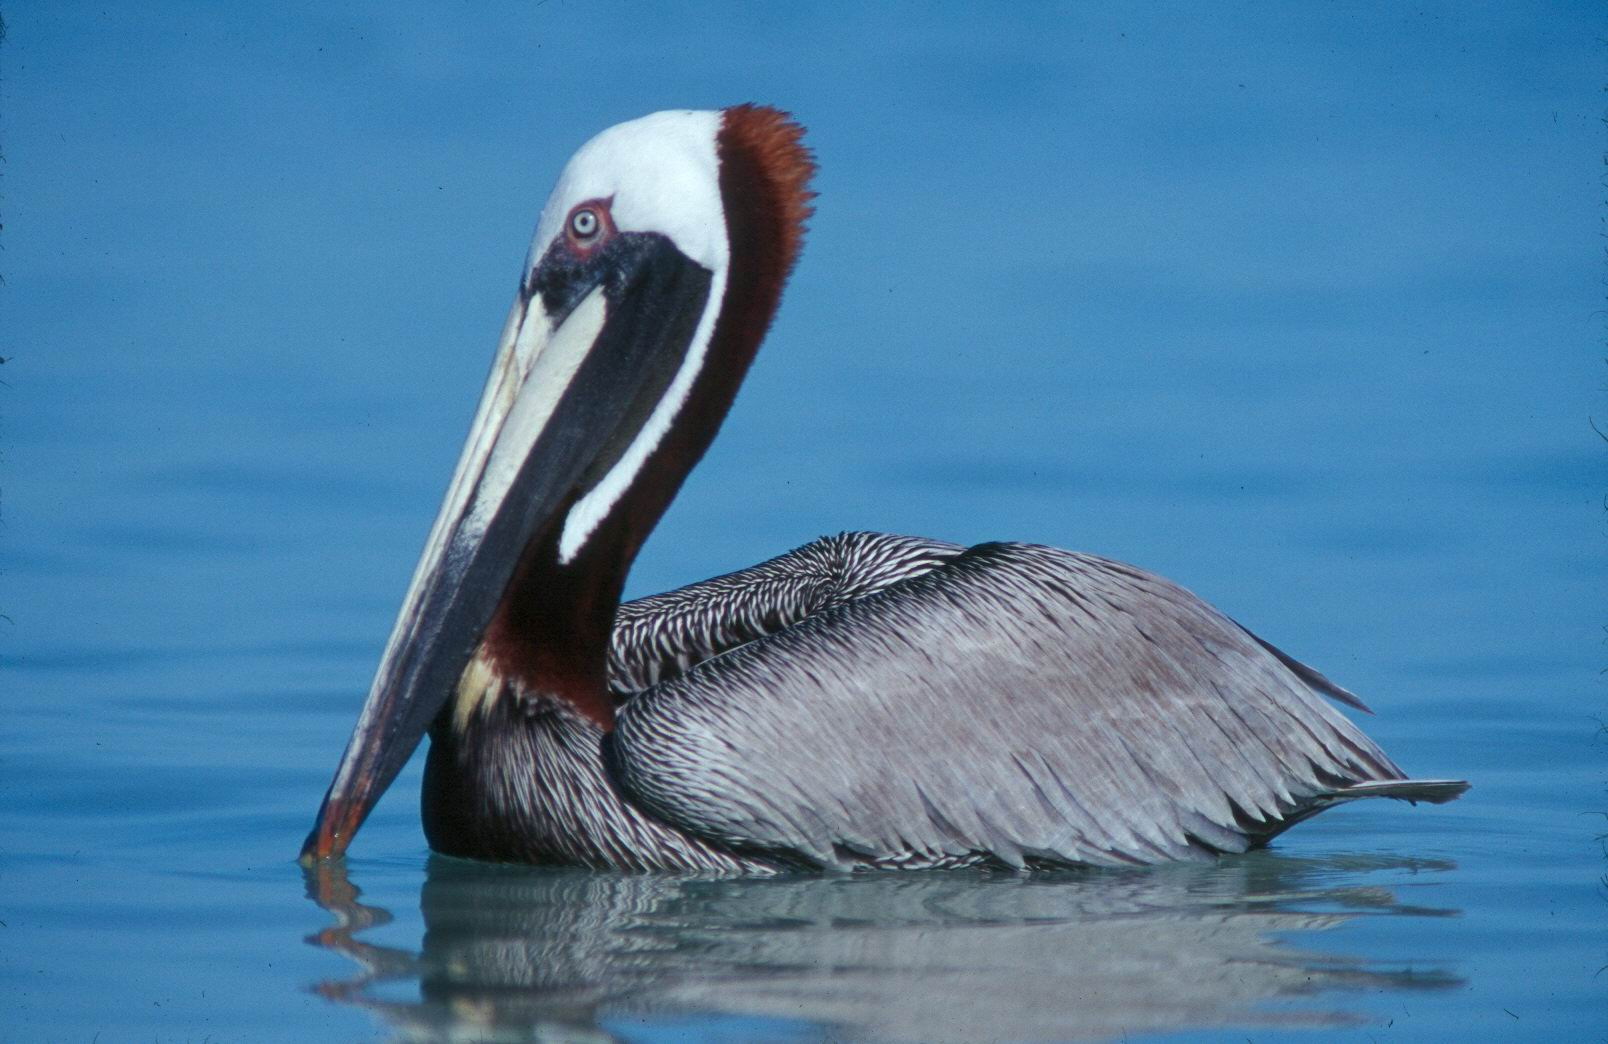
[664, 635]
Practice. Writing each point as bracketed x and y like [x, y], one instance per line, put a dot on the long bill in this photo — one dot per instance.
[579, 368]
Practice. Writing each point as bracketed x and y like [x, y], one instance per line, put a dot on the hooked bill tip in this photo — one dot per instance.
[330, 835]
[313, 850]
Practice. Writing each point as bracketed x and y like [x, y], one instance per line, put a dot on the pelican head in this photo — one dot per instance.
[656, 267]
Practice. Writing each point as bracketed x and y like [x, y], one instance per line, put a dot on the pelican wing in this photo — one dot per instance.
[1017, 704]
[663, 636]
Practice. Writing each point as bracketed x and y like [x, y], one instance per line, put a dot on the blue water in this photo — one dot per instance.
[1302, 310]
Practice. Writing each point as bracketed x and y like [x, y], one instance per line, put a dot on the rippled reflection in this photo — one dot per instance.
[518, 953]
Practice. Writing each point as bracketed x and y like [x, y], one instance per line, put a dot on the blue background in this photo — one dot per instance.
[1299, 306]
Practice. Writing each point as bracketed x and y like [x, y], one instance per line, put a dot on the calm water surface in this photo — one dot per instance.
[1301, 314]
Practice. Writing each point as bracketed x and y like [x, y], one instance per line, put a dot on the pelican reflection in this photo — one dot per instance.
[517, 953]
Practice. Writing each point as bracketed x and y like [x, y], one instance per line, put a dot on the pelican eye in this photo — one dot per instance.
[584, 223]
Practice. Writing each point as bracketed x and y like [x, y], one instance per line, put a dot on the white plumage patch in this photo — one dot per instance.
[662, 174]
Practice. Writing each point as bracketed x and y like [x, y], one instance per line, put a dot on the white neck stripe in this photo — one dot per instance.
[590, 511]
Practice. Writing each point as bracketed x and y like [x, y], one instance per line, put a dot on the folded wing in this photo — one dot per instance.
[1014, 704]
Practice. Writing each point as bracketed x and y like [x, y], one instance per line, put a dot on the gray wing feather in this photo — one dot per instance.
[665, 635]
[1017, 704]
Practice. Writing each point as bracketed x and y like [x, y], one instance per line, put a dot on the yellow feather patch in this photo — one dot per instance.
[478, 689]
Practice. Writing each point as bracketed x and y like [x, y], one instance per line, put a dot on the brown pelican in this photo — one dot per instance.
[863, 701]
